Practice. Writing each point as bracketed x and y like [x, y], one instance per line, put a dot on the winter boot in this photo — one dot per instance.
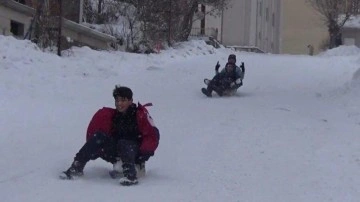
[128, 180]
[75, 170]
[206, 92]
[117, 171]
[129, 172]
[207, 81]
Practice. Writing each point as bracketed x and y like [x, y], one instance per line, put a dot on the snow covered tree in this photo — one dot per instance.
[150, 22]
[170, 20]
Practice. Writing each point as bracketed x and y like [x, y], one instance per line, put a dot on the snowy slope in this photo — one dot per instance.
[290, 134]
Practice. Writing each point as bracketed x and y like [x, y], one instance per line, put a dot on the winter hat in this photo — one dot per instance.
[233, 57]
[122, 91]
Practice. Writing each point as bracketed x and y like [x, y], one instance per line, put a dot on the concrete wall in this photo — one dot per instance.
[301, 26]
[87, 36]
[87, 40]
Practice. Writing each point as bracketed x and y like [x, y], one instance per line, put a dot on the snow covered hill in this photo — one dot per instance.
[291, 133]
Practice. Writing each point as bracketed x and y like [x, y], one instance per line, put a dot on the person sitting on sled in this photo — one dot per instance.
[228, 80]
[126, 134]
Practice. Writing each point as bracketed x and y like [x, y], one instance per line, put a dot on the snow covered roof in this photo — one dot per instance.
[18, 7]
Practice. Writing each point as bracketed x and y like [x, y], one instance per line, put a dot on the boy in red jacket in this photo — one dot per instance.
[126, 133]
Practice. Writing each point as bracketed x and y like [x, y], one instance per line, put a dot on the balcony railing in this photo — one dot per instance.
[253, 49]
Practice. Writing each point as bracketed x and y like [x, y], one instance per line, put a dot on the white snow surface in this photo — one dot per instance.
[291, 133]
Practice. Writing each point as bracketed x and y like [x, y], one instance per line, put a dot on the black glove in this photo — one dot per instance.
[242, 67]
[217, 66]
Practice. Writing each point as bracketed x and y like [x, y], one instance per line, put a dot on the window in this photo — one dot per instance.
[260, 8]
[198, 8]
[16, 28]
[273, 20]
[267, 14]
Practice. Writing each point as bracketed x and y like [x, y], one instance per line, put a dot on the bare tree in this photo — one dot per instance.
[150, 22]
[60, 27]
[131, 24]
[47, 24]
[44, 26]
[186, 26]
[171, 20]
[335, 13]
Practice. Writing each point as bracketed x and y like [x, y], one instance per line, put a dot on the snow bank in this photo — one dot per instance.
[342, 51]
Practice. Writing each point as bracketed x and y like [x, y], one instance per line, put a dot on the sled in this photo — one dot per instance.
[225, 93]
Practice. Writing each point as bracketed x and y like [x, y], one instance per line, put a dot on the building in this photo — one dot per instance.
[16, 18]
[350, 33]
[301, 26]
[273, 26]
[245, 24]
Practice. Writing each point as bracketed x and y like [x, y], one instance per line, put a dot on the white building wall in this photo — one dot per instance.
[253, 24]
[6, 15]
[248, 23]
[268, 25]
[234, 26]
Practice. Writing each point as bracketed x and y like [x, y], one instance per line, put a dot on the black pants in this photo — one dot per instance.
[110, 150]
[220, 85]
[128, 151]
[99, 145]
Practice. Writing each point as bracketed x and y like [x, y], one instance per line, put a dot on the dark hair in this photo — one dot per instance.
[232, 56]
[122, 91]
[230, 64]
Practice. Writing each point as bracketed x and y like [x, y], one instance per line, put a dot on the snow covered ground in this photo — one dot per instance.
[291, 133]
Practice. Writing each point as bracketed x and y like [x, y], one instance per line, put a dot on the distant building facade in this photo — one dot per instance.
[273, 26]
[246, 23]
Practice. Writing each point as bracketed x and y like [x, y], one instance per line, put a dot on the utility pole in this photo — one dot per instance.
[59, 28]
[202, 22]
[170, 21]
[222, 26]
